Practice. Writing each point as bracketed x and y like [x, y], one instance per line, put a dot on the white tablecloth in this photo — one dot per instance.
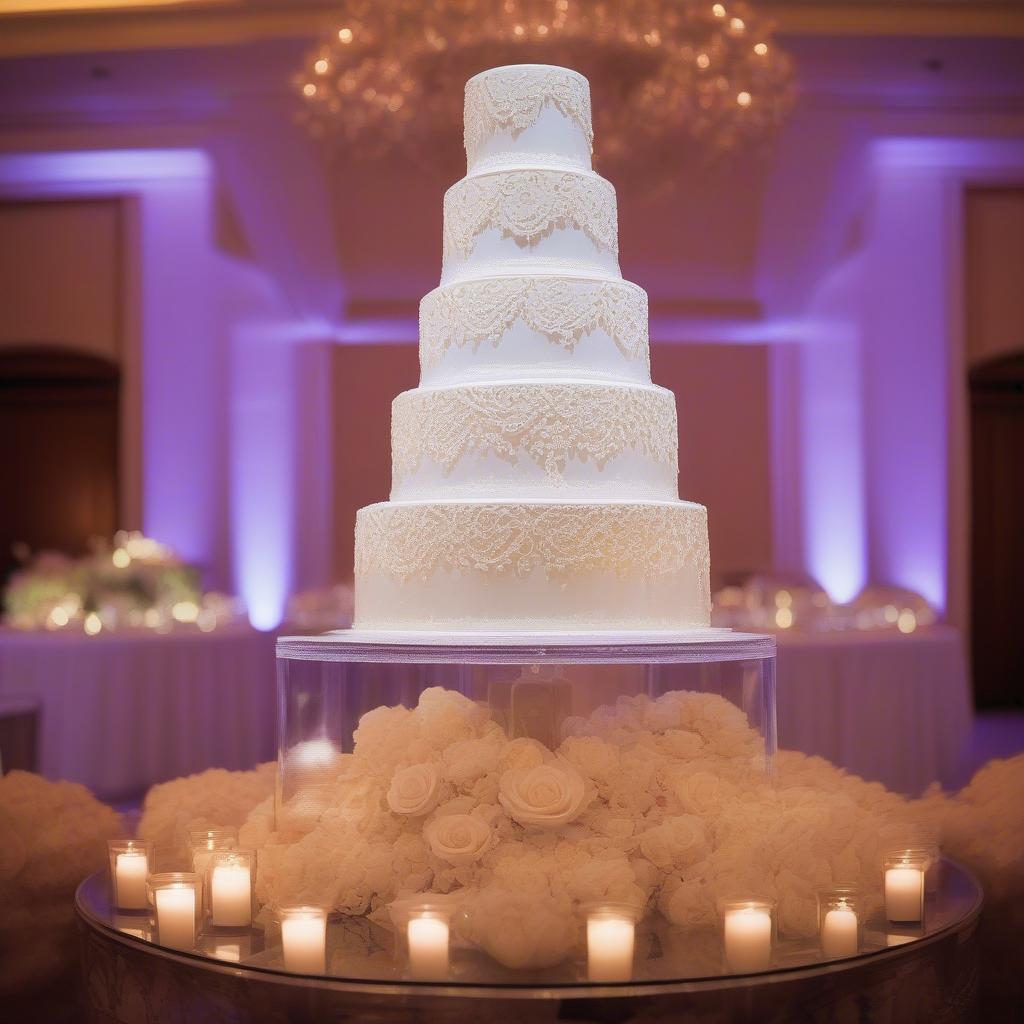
[121, 711]
[893, 708]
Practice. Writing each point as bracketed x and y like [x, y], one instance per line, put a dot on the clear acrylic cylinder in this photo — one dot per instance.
[546, 691]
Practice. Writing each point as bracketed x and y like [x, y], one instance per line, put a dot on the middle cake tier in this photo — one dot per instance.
[535, 439]
[527, 220]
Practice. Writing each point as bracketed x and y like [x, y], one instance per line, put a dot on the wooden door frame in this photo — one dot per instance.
[128, 288]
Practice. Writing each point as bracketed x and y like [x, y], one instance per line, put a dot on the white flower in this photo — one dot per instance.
[522, 930]
[677, 841]
[702, 792]
[547, 796]
[458, 838]
[414, 791]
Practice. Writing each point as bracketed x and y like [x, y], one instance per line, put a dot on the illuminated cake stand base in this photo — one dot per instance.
[923, 975]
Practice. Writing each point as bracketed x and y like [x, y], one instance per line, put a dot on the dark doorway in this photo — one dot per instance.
[997, 531]
[59, 424]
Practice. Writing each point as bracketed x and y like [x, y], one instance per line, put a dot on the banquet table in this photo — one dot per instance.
[889, 707]
[121, 711]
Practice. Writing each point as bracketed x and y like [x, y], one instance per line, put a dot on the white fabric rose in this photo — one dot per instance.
[702, 792]
[677, 842]
[458, 838]
[547, 796]
[414, 791]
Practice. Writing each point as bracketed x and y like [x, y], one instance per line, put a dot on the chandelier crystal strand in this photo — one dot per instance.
[390, 75]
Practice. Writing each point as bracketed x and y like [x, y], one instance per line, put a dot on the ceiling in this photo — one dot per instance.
[220, 76]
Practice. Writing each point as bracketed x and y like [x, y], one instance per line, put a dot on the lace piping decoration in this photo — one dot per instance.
[552, 423]
[513, 99]
[632, 541]
[526, 205]
[564, 311]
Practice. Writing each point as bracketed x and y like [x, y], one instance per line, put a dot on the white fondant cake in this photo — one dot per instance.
[535, 467]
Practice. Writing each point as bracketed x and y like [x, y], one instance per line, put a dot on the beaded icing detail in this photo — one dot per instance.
[564, 310]
[526, 205]
[551, 423]
[512, 98]
[633, 541]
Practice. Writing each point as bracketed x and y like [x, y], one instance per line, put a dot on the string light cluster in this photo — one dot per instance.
[391, 74]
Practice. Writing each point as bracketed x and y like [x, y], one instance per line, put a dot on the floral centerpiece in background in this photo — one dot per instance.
[133, 583]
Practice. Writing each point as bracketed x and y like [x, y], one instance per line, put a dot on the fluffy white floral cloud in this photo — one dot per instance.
[655, 802]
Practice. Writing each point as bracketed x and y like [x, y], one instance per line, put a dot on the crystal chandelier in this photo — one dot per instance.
[390, 76]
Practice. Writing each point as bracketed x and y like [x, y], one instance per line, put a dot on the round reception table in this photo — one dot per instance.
[121, 711]
[891, 708]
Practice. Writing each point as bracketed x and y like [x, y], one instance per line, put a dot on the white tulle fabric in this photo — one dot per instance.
[512, 98]
[551, 423]
[527, 204]
[565, 310]
[631, 541]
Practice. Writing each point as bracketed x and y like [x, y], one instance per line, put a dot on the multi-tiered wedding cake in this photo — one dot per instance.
[534, 469]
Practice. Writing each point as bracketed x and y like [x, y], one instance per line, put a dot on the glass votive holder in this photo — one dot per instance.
[928, 841]
[230, 886]
[130, 863]
[423, 930]
[175, 895]
[748, 934]
[611, 940]
[202, 842]
[304, 939]
[904, 886]
[840, 921]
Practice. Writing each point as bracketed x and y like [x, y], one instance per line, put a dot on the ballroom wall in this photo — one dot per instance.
[70, 248]
[724, 439]
[806, 303]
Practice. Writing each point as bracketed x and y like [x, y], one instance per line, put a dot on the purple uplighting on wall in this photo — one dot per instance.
[835, 540]
[262, 477]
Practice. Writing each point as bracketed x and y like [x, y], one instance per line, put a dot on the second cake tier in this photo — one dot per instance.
[532, 565]
[535, 439]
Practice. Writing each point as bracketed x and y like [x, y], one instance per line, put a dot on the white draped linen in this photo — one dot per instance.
[121, 711]
[889, 707]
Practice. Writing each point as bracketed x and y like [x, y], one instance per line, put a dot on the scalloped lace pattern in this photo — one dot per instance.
[513, 98]
[526, 205]
[552, 423]
[632, 541]
[564, 311]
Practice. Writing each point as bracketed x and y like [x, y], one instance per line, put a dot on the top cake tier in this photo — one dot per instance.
[527, 115]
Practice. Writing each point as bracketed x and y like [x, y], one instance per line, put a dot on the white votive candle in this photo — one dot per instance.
[839, 933]
[610, 941]
[428, 948]
[304, 938]
[748, 939]
[130, 871]
[904, 892]
[176, 916]
[231, 895]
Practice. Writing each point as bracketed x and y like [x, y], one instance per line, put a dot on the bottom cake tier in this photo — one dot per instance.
[551, 565]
